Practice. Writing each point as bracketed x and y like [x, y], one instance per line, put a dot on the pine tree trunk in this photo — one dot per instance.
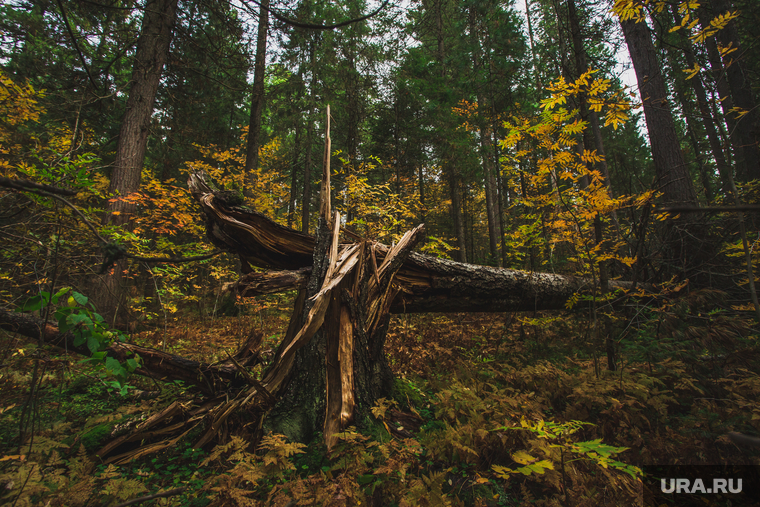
[257, 102]
[740, 83]
[673, 177]
[684, 236]
[694, 128]
[704, 110]
[457, 217]
[152, 53]
[485, 148]
[306, 209]
[536, 72]
[294, 177]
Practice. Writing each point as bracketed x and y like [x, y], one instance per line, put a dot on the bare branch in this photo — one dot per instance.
[76, 46]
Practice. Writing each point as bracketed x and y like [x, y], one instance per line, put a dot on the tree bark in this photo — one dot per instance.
[306, 205]
[294, 177]
[536, 72]
[485, 148]
[672, 174]
[694, 128]
[590, 142]
[455, 181]
[704, 109]
[686, 250]
[257, 101]
[152, 53]
[740, 83]
[726, 104]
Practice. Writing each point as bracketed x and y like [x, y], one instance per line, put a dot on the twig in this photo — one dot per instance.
[255, 383]
[162, 494]
[24, 485]
[741, 439]
[74, 42]
[174, 259]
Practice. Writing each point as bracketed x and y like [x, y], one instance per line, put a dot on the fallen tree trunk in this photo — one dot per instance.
[155, 364]
[448, 286]
[428, 284]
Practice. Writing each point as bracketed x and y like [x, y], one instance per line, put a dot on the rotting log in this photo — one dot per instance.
[209, 378]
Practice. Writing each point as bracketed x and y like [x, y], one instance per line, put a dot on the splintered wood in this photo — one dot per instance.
[371, 295]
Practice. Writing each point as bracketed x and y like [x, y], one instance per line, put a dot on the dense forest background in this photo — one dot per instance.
[491, 125]
[507, 130]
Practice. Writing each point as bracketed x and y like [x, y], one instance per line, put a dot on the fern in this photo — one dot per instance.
[278, 451]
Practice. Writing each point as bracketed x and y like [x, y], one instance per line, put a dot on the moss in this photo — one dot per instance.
[94, 438]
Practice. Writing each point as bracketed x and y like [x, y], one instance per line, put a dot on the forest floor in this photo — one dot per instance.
[489, 409]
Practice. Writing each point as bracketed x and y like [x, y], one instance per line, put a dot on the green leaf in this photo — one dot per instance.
[60, 293]
[131, 365]
[114, 367]
[93, 343]
[366, 479]
[81, 319]
[80, 298]
[64, 325]
[33, 303]
[538, 468]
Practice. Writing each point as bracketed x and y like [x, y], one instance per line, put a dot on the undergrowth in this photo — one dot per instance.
[488, 409]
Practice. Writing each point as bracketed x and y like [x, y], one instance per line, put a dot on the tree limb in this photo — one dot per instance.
[156, 364]
[74, 42]
[26, 185]
[311, 26]
[51, 191]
